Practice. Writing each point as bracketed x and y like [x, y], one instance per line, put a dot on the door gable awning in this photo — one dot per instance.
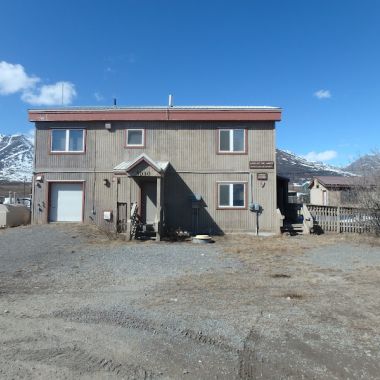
[142, 166]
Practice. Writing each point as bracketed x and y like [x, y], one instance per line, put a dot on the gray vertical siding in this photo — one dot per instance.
[191, 149]
[187, 145]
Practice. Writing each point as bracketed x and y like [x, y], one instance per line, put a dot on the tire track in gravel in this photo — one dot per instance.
[254, 359]
[250, 367]
[81, 361]
[120, 318]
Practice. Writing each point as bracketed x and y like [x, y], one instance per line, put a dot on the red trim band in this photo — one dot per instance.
[155, 115]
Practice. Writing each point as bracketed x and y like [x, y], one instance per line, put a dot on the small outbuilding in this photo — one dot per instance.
[334, 190]
[14, 215]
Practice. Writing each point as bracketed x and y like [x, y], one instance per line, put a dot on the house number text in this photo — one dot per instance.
[144, 173]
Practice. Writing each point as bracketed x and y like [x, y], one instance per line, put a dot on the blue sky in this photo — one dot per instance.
[317, 59]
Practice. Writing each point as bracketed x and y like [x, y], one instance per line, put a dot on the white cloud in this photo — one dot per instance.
[13, 78]
[322, 94]
[60, 93]
[99, 97]
[321, 156]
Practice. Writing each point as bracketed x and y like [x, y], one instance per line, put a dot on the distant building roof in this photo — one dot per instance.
[330, 181]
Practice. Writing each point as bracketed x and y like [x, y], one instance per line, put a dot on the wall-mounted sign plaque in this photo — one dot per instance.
[138, 173]
[261, 164]
[262, 176]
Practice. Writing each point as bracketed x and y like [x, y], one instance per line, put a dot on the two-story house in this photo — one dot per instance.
[193, 168]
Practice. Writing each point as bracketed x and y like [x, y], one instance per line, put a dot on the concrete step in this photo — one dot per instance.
[293, 228]
[146, 231]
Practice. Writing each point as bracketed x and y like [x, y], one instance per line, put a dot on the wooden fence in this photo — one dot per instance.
[341, 219]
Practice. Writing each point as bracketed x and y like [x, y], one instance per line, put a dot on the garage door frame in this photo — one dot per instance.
[50, 182]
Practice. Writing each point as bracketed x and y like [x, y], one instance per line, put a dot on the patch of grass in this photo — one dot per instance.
[278, 249]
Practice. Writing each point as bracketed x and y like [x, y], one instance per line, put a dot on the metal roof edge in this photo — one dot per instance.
[156, 108]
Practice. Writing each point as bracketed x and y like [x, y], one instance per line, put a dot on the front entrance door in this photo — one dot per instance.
[324, 198]
[148, 201]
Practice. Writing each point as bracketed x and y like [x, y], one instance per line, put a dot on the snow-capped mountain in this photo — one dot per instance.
[369, 163]
[16, 158]
[299, 170]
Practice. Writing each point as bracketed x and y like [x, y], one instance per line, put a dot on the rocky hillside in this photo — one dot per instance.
[16, 158]
[370, 163]
[299, 170]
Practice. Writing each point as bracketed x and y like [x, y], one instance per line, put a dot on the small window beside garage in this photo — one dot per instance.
[231, 195]
[135, 138]
[67, 140]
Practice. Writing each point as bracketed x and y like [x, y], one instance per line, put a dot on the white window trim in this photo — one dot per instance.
[142, 137]
[67, 141]
[231, 131]
[231, 194]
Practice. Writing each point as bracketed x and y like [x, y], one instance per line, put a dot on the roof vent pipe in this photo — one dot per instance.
[170, 100]
[114, 102]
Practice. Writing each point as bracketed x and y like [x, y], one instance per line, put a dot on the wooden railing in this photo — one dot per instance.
[340, 219]
[308, 220]
[279, 221]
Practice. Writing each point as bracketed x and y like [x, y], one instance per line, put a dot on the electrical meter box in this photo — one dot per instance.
[255, 207]
[107, 215]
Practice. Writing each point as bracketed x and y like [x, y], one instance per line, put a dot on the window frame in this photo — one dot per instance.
[67, 141]
[231, 141]
[229, 207]
[135, 146]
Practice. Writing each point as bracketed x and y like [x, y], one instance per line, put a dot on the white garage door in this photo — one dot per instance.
[66, 202]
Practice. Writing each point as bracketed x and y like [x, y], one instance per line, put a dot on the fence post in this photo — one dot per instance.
[338, 220]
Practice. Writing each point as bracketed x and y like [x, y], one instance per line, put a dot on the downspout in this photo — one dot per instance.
[278, 224]
[33, 176]
[250, 189]
[250, 184]
[93, 187]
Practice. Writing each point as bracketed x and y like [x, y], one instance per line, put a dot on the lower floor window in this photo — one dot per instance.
[231, 195]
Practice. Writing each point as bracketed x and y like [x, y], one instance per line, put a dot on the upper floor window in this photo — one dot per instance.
[231, 195]
[135, 138]
[67, 140]
[232, 141]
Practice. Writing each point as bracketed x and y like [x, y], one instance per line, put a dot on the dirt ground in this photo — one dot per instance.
[76, 304]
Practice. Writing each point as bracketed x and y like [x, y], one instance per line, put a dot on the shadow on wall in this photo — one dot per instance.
[179, 211]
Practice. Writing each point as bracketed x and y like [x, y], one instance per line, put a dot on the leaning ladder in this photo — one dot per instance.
[134, 221]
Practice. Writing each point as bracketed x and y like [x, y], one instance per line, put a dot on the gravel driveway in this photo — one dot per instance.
[75, 304]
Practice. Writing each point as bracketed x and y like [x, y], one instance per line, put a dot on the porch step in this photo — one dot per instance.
[146, 231]
[293, 228]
